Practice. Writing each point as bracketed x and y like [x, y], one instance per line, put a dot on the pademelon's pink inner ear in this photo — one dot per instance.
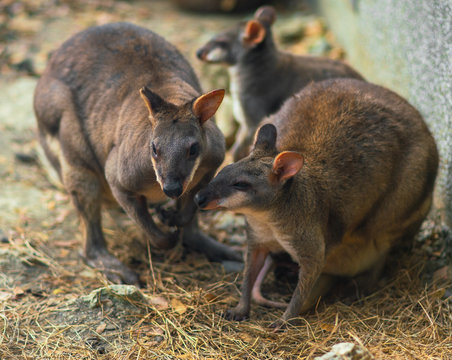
[206, 105]
[286, 165]
[254, 33]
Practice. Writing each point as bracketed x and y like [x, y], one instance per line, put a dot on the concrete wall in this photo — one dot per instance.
[405, 45]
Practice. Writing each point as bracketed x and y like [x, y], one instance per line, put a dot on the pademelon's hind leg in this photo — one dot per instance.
[399, 216]
[84, 187]
[256, 291]
[66, 149]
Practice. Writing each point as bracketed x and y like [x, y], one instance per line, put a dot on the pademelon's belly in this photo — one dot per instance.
[354, 255]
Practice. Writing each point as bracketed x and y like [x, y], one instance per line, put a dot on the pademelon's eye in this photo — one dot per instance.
[194, 150]
[154, 151]
[224, 44]
[241, 185]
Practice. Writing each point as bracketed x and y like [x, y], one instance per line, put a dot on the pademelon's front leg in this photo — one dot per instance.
[255, 260]
[196, 240]
[310, 254]
[185, 210]
[136, 207]
[185, 218]
[181, 214]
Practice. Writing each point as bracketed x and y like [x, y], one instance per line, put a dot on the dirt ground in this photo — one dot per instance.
[53, 306]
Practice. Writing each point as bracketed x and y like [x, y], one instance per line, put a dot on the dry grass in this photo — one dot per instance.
[405, 319]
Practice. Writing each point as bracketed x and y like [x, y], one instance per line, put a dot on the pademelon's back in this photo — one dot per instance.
[346, 120]
[118, 55]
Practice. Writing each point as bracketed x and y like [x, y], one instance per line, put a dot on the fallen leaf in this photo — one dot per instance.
[437, 294]
[159, 302]
[327, 327]
[210, 297]
[151, 330]
[100, 329]
[178, 306]
[245, 337]
[57, 291]
[18, 291]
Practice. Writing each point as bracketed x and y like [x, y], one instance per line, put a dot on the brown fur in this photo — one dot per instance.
[349, 175]
[99, 134]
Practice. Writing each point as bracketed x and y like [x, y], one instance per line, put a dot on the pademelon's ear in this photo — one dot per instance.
[152, 100]
[266, 138]
[266, 15]
[286, 165]
[205, 106]
[254, 33]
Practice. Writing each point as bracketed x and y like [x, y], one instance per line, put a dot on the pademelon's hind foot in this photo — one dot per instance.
[256, 292]
[112, 268]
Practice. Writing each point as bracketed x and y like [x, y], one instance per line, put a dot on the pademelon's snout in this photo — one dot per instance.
[201, 53]
[205, 202]
[201, 199]
[173, 189]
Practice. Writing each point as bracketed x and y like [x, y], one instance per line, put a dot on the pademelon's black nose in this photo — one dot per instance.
[200, 54]
[201, 199]
[173, 190]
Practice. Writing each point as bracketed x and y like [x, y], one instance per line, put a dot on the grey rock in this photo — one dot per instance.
[121, 294]
[347, 351]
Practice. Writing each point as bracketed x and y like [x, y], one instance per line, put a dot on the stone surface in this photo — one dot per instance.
[123, 294]
[347, 351]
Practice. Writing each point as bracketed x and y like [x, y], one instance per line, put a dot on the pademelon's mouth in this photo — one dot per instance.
[212, 205]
